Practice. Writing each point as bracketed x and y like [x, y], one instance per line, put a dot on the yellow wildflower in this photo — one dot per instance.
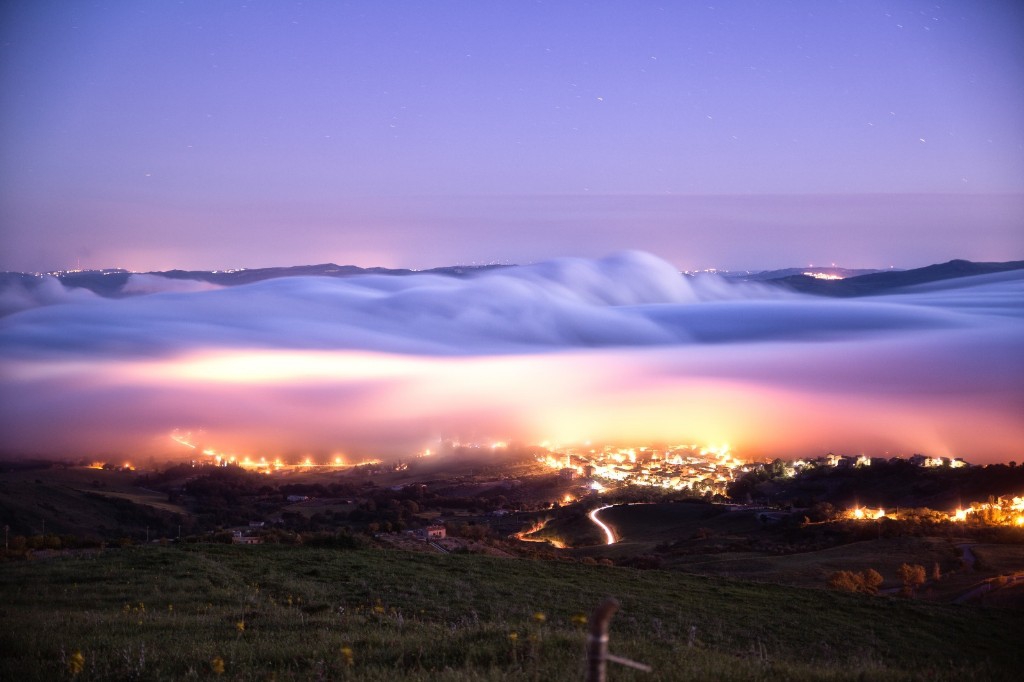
[579, 619]
[347, 656]
[513, 636]
[76, 663]
[539, 617]
[240, 626]
[217, 666]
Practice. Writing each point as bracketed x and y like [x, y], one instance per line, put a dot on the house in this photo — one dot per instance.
[238, 539]
[434, 532]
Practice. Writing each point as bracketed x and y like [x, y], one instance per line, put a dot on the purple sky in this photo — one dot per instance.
[737, 135]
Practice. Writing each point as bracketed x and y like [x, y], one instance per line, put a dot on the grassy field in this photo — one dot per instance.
[813, 568]
[75, 500]
[277, 613]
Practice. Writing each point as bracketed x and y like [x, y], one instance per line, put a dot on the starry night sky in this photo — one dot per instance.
[722, 134]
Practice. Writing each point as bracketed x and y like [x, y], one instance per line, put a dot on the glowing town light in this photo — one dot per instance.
[858, 513]
[960, 515]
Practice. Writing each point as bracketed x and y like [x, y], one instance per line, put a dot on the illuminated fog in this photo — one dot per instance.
[621, 348]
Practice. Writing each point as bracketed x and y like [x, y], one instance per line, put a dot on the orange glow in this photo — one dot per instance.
[866, 513]
[263, 401]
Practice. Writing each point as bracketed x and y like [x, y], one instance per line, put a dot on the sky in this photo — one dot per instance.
[737, 135]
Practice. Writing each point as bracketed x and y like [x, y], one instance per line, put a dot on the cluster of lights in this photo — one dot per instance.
[127, 466]
[1011, 510]
[822, 275]
[263, 465]
[678, 467]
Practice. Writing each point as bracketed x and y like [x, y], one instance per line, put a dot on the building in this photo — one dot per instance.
[434, 532]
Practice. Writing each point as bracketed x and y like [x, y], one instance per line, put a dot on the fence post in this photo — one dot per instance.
[597, 640]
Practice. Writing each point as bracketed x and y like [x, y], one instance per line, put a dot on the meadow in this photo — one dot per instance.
[267, 612]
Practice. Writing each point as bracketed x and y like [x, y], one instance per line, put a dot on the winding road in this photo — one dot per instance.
[608, 534]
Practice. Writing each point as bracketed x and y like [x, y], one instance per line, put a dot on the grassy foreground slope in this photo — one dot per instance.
[274, 612]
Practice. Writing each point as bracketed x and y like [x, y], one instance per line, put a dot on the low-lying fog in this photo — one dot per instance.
[622, 348]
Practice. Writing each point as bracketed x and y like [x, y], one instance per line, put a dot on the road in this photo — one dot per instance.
[608, 533]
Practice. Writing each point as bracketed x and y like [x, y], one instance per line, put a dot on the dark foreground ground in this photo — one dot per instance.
[278, 613]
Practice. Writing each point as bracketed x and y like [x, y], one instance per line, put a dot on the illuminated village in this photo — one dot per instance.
[705, 471]
[701, 470]
[1004, 511]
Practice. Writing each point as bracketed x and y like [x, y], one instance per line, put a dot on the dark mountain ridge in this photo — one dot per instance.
[890, 281]
[111, 282]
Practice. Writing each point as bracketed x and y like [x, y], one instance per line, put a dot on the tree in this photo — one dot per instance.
[872, 580]
[845, 581]
[912, 576]
[867, 581]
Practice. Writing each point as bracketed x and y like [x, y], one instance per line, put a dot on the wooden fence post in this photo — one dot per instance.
[597, 640]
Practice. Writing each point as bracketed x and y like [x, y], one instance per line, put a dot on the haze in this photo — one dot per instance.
[623, 349]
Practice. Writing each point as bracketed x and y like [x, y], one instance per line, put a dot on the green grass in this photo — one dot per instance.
[167, 613]
[74, 500]
[813, 568]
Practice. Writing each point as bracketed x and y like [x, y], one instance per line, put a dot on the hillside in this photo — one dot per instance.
[855, 282]
[298, 613]
[111, 282]
[883, 282]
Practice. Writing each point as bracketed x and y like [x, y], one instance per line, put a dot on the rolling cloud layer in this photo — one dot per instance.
[622, 347]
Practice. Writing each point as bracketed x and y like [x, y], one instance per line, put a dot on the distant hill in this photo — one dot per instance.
[768, 275]
[889, 280]
[111, 283]
[850, 282]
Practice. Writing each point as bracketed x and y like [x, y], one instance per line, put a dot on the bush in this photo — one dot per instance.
[867, 581]
[845, 581]
[912, 576]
